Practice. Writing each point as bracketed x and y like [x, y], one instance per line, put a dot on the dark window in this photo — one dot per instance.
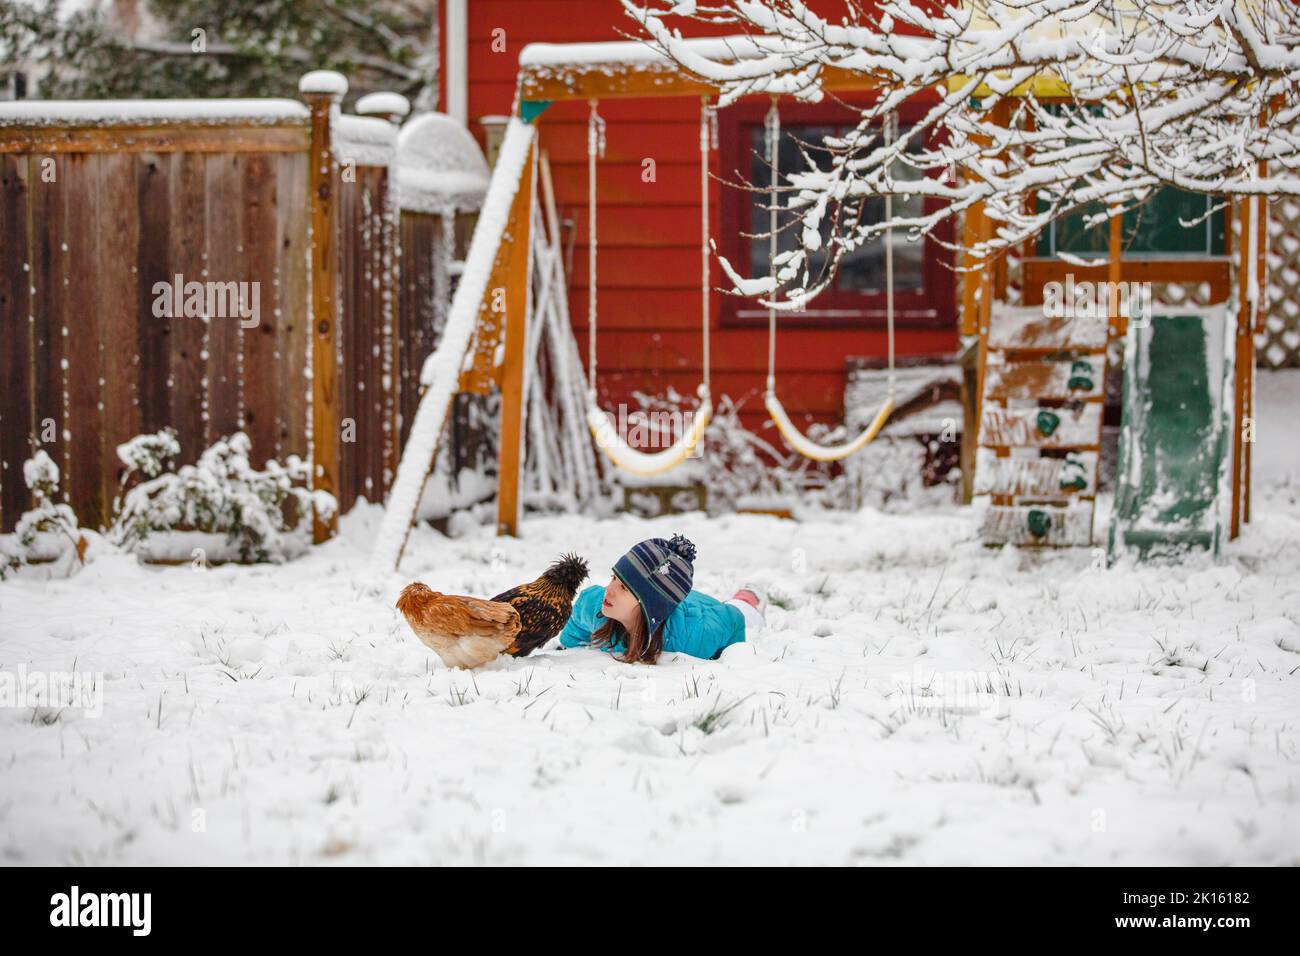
[1153, 229]
[924, 281]
[863, 269]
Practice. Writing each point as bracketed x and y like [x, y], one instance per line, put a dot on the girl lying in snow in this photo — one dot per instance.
[648, 607]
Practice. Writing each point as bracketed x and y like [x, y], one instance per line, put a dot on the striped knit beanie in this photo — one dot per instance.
[659, 573]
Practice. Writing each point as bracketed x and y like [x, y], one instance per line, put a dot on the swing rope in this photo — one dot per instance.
[797, 440]
[602, 425]
[595, 145]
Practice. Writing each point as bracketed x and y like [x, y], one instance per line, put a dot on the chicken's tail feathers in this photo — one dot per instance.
[522, 647]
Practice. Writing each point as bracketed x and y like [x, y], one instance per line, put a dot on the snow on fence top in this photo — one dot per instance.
[383, 104]
[437, 193]
[51, 113]
[324, 81]
[440, 166]
[365, 140]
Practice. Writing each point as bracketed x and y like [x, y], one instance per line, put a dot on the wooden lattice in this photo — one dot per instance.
[1278, 346]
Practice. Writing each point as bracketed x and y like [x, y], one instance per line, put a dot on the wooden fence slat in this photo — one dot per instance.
[119, 315]
[153, 175]
[323, 188]
[259, 137]
[80, 179]
[291, 324]
[16, 335]
[417, 316]
[224, 228]
[364, 278]
[356, 329]
[48, 271]
[259, 232]
[391, 346]
[187, 334]
[376, 281]
[346, 339]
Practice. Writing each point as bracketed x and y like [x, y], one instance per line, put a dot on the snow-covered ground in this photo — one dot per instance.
[916, 699]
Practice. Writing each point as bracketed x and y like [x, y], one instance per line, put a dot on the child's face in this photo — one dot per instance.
[620, 604]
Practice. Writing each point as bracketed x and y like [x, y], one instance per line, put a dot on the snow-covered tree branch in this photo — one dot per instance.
[1035, 109]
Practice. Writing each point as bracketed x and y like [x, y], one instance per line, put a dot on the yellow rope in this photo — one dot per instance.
[601, 424]
[795, 438]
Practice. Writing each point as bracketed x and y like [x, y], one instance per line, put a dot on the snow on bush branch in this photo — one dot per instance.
[1190, 94]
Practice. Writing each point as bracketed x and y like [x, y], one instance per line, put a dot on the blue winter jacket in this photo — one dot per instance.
[700, 625]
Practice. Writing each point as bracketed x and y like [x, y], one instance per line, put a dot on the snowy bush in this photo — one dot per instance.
[222, 493]
[746, 469]
[736, 465]
[42, 477]
[149, 455]
[47, 518]
[895, 473]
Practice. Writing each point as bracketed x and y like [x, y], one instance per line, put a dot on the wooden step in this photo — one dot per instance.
[1041, 427]
[1078, 378]
[1072, 476]
[1028, 328]
[1038, 525]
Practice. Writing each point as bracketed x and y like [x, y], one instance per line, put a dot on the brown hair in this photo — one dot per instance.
[638, 648]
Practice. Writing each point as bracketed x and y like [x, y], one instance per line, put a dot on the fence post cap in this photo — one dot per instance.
[324, 81]
[389, 105]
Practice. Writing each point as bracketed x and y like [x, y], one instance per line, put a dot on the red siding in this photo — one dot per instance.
[649, 266]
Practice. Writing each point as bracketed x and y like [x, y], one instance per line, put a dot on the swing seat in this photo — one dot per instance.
[647, 464]
[811, 449]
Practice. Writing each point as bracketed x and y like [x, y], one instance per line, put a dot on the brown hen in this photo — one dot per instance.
[464, 631]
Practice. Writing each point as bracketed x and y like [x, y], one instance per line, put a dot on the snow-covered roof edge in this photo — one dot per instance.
[639, 53]
[269, 112]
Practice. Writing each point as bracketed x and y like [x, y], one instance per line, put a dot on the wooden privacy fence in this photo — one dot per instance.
[185, 264]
